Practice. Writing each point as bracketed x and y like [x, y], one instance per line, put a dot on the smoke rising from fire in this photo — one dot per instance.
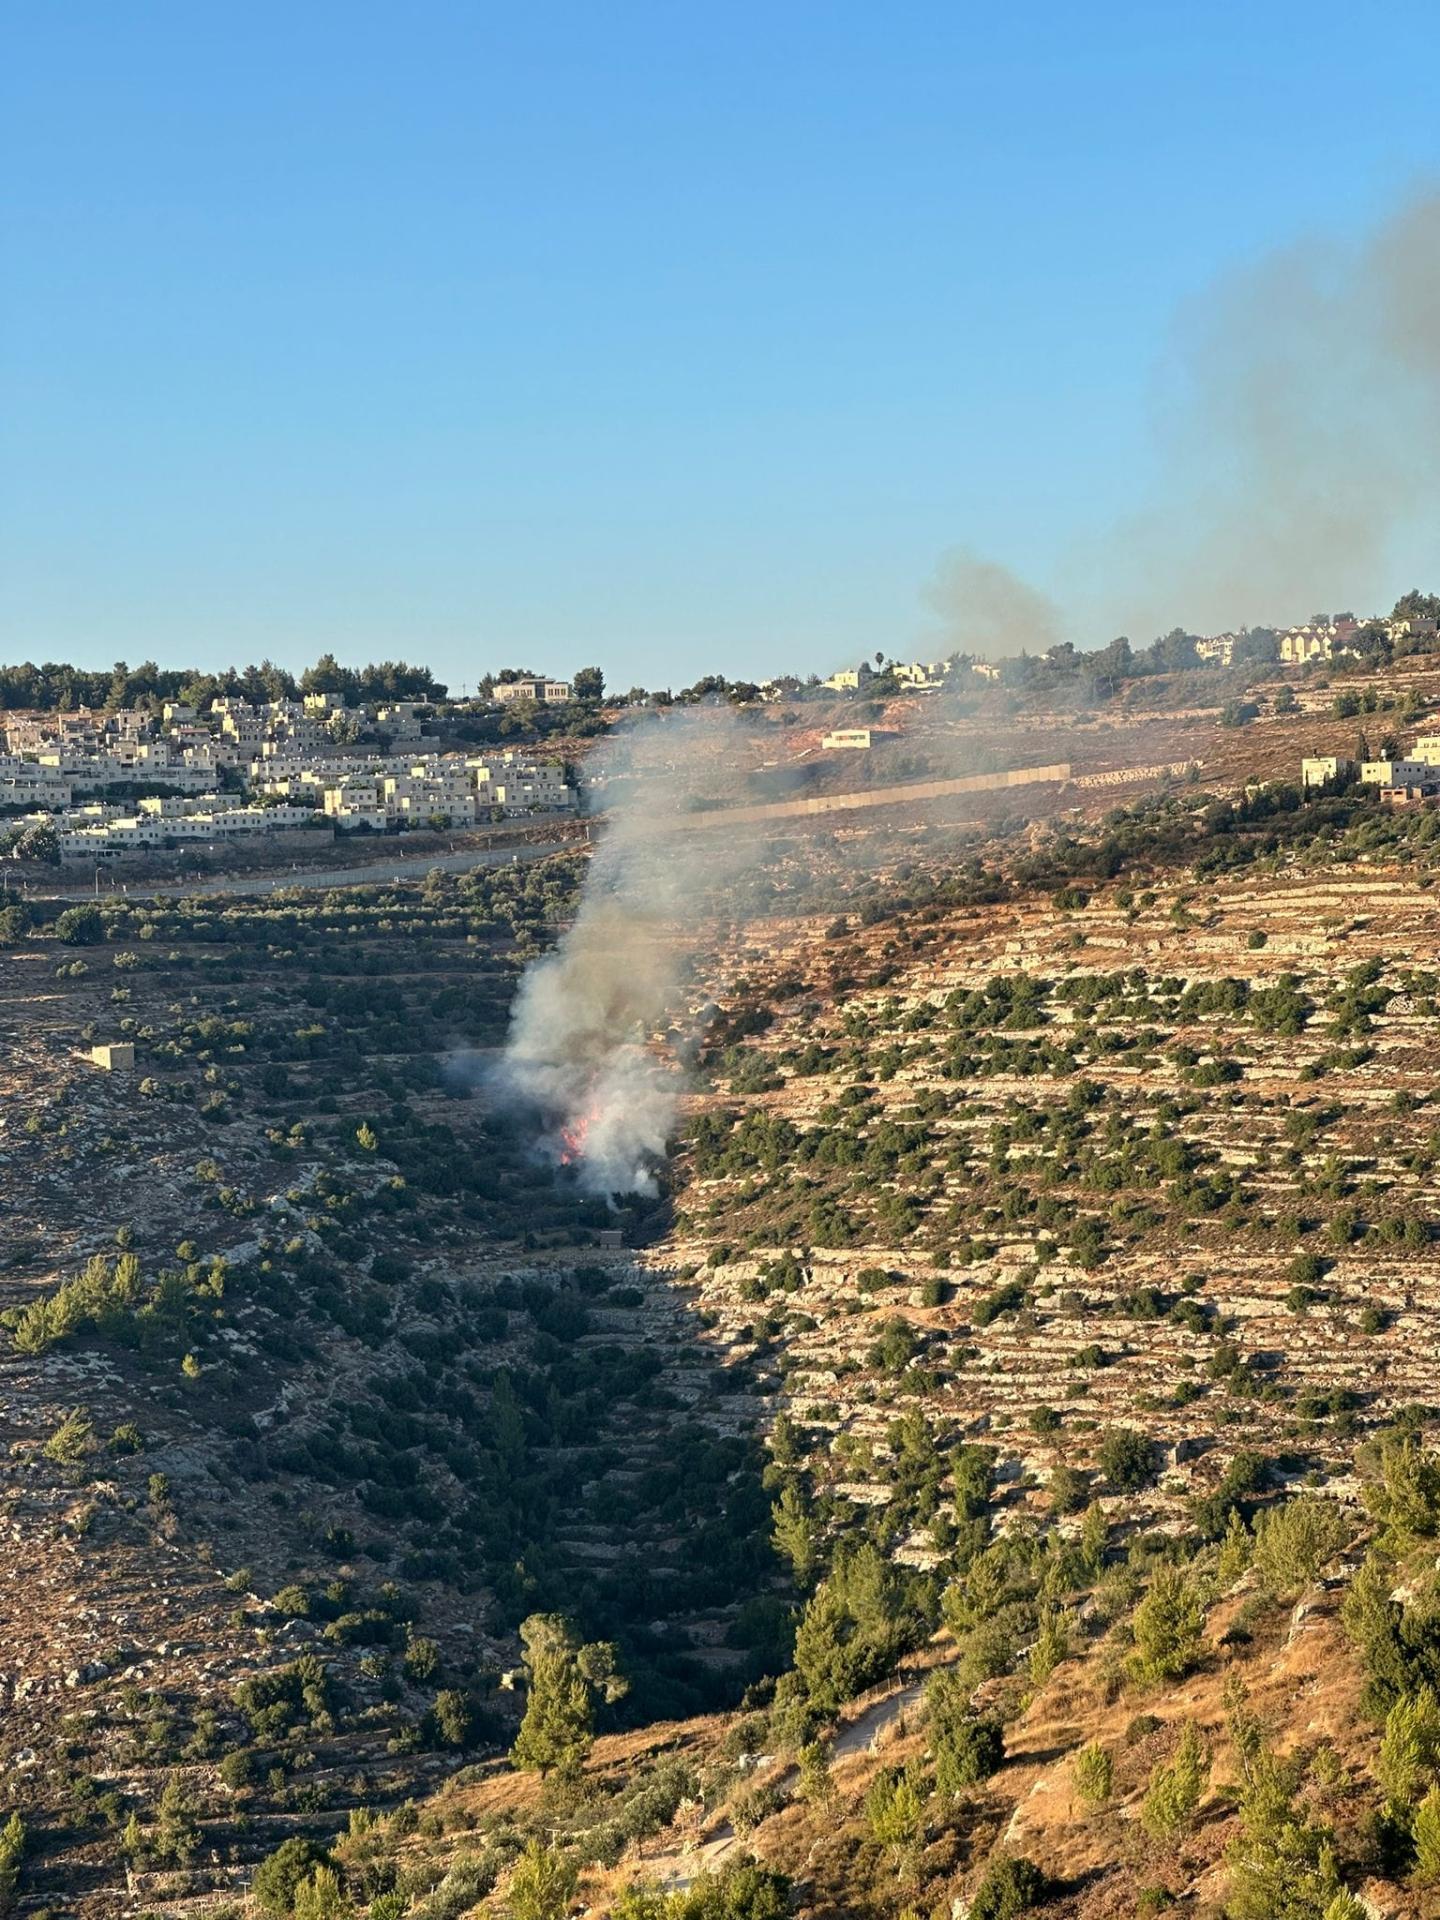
[989, 611]
[1296, 459]
[1297, 437]
[581, 1050]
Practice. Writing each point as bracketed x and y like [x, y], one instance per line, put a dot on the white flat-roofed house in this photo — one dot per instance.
[242, 725]
[532, 787]
[921, 676]
[355, 790]
[1322, 768]
[545, 693]
[400, 719]
[416, 794]
[849, 679]
[1395, 773]
[356, 801]
[26, 783]
[1217, 649]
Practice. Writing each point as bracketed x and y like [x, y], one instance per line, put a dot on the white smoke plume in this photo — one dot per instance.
[583, 1047]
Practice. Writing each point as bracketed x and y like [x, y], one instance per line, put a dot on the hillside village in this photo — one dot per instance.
[1022, 1255]
[101, 785]
[306, 767]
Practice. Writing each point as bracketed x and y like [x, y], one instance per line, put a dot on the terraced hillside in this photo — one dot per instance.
[1169, 1154]
[1026, 1360]
[316, 1384]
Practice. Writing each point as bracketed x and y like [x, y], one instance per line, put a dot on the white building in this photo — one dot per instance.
[1217, 649]
[849, 679]
[922, 676]
[545, 693]
[1396, 773]
[1316, 771]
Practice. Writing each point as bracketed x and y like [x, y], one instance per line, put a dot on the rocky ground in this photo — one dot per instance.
[981, 1156]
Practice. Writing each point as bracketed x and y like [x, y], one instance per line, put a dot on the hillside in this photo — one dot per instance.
[1027, 1354]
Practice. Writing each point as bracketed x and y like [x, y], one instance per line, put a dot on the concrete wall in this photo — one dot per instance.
[872, 797]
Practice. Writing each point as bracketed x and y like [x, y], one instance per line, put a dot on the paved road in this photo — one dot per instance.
[373, 873]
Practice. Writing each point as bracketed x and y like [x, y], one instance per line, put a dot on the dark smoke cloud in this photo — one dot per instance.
[1297, 459]
[1298, 439]
[988, 611]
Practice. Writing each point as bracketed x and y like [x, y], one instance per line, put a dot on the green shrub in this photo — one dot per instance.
[1094, 1774]
[1293, 1542]
[279, 1875]
[1010, 1887]
[80, 927]
[1127, 1459]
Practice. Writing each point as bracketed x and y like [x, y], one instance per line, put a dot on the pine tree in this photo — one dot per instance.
[564, 1680]
[817, 1789]
[1094, 1536]
[968, 1746]
[1235, 1550]
[1175, 1788]
[541, 1885]
[1409, 1750]
[1405, 1498]
[894, 1811]
[177, 1833]
[320, 1897]
[1373, 1622]
[1282, 1866]
[1168, 1624]
[794, 1534]
[12, 1851]
[1094, 1774]
[1425, 1832]
[1052, 1644]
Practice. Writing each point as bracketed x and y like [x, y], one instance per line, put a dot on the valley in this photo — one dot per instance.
[1049, 1227]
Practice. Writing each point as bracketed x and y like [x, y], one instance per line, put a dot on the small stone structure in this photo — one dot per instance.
[116, 1056]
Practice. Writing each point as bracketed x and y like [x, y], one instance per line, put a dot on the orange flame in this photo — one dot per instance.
[575, 1134]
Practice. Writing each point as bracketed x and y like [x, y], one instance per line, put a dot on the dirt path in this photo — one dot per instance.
[865, 1731]
[677, 1869]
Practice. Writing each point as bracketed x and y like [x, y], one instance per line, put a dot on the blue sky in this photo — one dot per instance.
[675, 338]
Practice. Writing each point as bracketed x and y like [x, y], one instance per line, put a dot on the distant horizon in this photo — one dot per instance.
[692, 344]
[615, 687]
